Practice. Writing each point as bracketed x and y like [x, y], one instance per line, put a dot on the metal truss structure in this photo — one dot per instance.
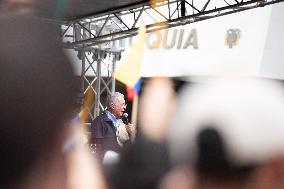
[95, 36]
[94, 61]
[118, 24]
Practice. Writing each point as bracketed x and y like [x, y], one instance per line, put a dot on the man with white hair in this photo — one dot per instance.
[108, 133]
[231, 132]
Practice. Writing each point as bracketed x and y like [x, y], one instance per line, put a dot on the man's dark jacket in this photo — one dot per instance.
[104, 132]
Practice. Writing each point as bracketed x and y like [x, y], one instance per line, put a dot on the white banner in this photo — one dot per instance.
[248, 43]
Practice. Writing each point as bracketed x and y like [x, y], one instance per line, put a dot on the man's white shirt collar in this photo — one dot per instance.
[111, 117]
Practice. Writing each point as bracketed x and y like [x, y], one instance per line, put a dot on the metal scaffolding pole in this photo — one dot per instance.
[113, 69]
[82, 55]
[98, 87]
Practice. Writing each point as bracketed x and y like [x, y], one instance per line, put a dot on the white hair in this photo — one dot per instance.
[113, 98]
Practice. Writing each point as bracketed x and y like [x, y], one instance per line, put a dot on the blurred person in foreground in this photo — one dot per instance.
[229, 134]
[108, 132]
[38, 91]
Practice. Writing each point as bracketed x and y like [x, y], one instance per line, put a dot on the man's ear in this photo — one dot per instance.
[111, 105]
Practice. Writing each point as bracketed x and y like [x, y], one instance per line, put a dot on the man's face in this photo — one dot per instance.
[118, 106]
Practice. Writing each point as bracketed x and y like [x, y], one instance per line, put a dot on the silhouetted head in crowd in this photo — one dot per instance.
[38, 92]
[231, 133]
[141, 165]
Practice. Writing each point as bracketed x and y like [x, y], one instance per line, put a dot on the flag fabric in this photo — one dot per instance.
[89, 99]
[129, 70]
[131, 91]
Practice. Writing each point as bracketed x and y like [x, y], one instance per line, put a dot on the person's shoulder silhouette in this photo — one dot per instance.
[37, 91]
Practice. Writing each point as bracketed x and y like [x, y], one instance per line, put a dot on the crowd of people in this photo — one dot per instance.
[216, 133]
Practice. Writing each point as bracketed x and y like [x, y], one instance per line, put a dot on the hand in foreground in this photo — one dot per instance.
[131, 129]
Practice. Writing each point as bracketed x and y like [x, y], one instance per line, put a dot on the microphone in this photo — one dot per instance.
[124, 118]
